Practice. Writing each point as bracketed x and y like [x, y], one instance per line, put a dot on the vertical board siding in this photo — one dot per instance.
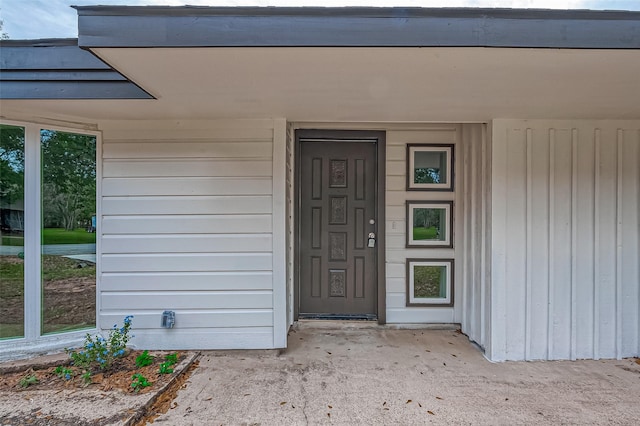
[188, 225]
[474, 258]
[565, 222]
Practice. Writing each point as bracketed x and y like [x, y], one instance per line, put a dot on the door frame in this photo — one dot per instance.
[320, 135]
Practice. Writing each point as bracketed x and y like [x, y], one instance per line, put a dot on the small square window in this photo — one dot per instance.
[430, 282]
[429, 224]
[429, 167]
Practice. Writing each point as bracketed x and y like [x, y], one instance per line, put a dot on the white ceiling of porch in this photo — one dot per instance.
[366, 84]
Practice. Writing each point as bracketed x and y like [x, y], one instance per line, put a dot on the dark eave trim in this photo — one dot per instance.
[59, 69]
[192, 26]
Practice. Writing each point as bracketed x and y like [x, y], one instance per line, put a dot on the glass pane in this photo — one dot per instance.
[430, 281]
[68, 231]
[429, 224]
[11, 231]
[430, 167]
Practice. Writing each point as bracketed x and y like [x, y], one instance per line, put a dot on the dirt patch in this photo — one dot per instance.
[117, 378]
[69, 294]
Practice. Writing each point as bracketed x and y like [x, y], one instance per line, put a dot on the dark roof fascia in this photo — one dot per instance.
[59, 69]
[200, 26]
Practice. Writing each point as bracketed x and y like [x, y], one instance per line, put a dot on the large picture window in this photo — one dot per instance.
[48, 222]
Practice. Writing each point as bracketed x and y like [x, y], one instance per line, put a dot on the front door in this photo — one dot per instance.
[337, 226]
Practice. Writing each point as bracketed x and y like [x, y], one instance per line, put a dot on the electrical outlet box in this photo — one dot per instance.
[168, 319]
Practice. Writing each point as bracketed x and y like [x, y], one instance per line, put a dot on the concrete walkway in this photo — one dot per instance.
[348, 374]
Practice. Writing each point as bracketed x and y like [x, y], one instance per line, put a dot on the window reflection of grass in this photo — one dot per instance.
[420, 233]
[427, 280]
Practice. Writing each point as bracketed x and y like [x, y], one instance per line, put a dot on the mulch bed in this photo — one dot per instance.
[117, 378]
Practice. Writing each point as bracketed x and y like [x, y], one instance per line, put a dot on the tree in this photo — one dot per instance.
[69, 179]
[11, 164]
[3, 35]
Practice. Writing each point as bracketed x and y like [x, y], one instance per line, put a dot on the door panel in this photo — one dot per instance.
[338, 271]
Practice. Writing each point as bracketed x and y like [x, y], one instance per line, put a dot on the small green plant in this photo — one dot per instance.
[102, 352]
[172, 358]
[28, 380]
[63, 372]
[165, 368]
[139, 382]
[144, 359]
[86, 378]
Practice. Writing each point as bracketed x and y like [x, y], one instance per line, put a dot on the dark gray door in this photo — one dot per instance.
[338, 272]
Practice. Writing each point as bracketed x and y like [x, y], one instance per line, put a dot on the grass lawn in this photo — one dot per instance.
[420, 233]
[56, 236]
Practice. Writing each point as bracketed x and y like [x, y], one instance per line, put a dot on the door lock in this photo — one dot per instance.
[372, 240]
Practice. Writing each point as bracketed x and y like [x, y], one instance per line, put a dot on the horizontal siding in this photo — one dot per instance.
[395, 213]
[185, 168]
[176, 262]
[168, 186]
[163, 149]
[186, 225]
[185, 205]
[566, 202]
[197, 318]
[186, 281]
[186, 243]
[131, 301]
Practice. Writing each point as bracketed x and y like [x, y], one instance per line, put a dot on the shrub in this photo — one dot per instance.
[101, 352]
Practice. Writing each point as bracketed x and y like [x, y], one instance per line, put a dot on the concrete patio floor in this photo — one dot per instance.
[362, 374]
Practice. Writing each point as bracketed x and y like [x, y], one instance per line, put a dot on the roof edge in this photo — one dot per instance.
[355, 11]
[39, 42]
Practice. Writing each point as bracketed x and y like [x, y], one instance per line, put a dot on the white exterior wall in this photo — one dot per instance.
[189, 214]
[396, 226]
[475, 252]
[565, 240]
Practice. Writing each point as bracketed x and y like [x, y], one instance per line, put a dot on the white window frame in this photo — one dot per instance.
[446, 301]
[447, 149]
[33, 341]
[447, 206]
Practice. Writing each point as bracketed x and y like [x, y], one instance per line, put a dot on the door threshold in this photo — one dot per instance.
[339, 317]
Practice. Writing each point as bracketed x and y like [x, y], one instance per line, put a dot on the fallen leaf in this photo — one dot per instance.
[431, 412]
[283, 402]
[408, 401]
